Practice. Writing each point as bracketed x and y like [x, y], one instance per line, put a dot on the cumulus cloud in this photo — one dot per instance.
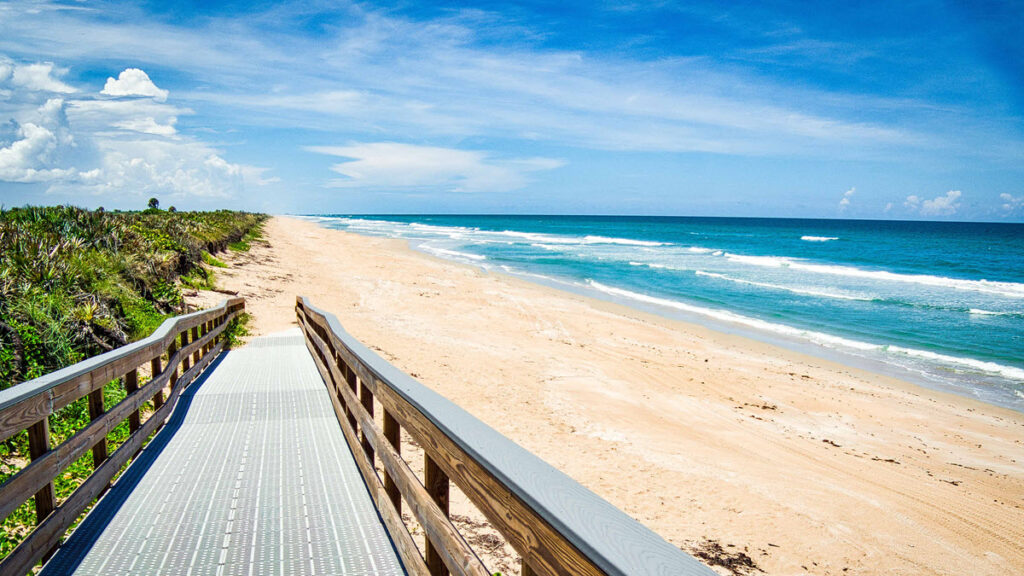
[945, 205]
[33, 155]
[1011, 203]
[84, 143]
[38, 77]
[396, 165]
[133, 82]
[844, 202]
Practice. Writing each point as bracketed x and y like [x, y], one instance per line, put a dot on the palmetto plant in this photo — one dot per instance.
[76, 282]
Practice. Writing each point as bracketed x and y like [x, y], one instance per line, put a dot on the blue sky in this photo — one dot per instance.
[847, 110]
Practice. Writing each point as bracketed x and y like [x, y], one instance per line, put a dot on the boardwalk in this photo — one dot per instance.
[251, 475]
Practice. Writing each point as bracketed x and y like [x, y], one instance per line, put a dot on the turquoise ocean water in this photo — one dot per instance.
[939, 304]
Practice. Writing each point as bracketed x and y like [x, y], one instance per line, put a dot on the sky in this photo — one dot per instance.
[882, 110]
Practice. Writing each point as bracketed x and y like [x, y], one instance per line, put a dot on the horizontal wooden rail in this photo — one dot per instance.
[555, 524]
[192, 341]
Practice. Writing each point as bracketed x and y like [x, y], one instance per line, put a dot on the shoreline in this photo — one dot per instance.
[807, 348]
[702, 436]
[993, 381]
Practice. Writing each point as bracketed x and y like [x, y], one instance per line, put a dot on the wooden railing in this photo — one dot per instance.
[556, 525]
[192, 340]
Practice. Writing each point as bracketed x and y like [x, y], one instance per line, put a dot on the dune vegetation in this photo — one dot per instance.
[75, 283]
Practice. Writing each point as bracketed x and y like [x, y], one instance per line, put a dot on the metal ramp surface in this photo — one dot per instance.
[250, 476]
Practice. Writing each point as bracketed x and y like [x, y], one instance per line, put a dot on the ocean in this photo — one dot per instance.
[940, 304]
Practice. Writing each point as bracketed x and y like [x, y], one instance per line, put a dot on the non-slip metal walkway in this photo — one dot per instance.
[250, 476]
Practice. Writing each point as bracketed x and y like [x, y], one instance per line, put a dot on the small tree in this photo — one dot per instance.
[172, 209]
[154, 204]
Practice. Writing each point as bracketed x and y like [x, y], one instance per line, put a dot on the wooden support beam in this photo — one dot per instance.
[173, 366]
[393, 434]
[350, 380]
[46, 500]
[96, 411]
[131, 384]
[154, 368]
[366, 399]
[436, 483]
[195, 336]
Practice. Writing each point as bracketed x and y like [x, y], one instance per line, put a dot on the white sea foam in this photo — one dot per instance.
[818, 238]
[793, 289]
[622, 241]
[732, 317]
[452, 253]
[699, 250]
[815, 337]
[978, 365]
[1011, 289]
[980, 312]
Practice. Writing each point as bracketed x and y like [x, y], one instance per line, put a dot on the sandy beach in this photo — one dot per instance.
[804, 465]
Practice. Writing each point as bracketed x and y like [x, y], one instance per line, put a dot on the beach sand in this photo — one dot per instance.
[804, 465]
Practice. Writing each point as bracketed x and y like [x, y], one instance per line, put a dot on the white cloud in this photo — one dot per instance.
[1011, 203]
[396, 165]
[112, 147]
[168, 167]
[20, 161]
[34, 154]
[148, 125]
[945, 205]
[133, 82]
[844, 203]
[39, 77]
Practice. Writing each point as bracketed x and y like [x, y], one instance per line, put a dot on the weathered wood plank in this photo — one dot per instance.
[436, 483]
[29, 405]
[18, 417]
[452, 550]
[366, 399]
[404, 544]
[49, 533]
[154, 369]
[393, 436]
[557, 525]
[198, 348]
[38, 447]
[26, 403]
[131, 384]
[40, 472]
[546, 550]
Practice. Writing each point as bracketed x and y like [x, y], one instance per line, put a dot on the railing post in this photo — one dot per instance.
[366, 399]
[524, 568]
[39, 445]
[393, 433]
[436, 483]
[158, 399]
[350, 379]
[172, 380]
[185, 361]
[131, 384]
[96, 411]
[195, 336]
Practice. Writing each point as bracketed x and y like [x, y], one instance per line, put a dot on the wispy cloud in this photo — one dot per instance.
[436, 78]
[844, 202]
[395, 165]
